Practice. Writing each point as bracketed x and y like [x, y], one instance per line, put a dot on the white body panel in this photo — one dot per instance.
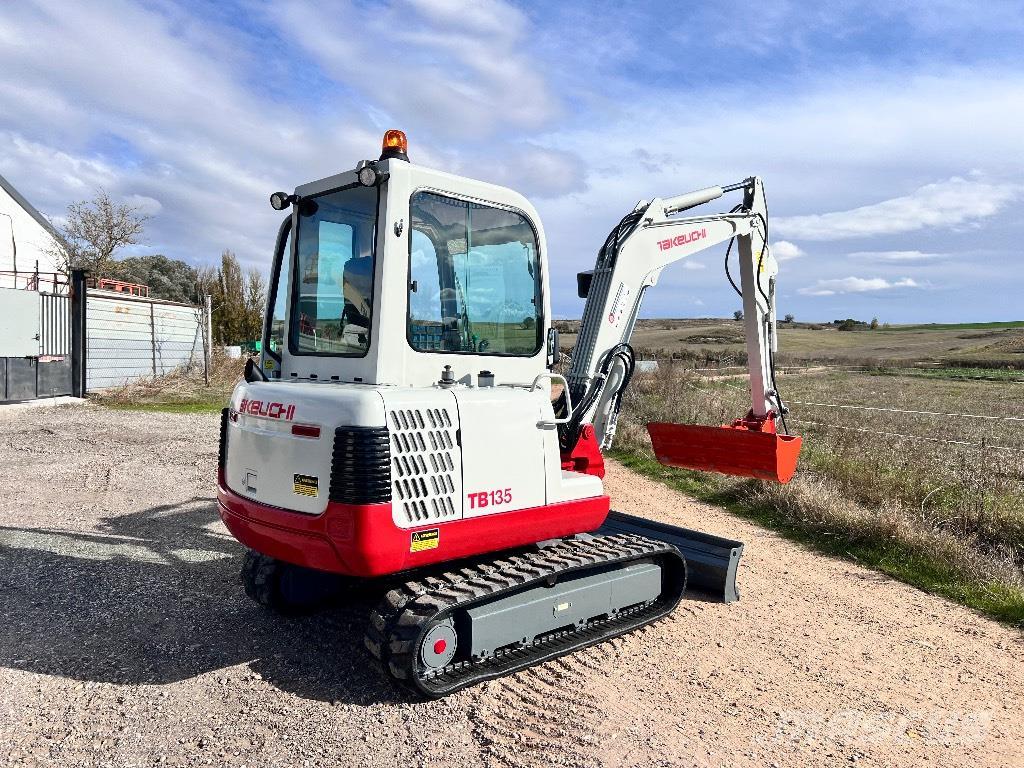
[426, 470]
[641, 261]
[758, 269]
[503, 454]
[263, 454]
[446, 444]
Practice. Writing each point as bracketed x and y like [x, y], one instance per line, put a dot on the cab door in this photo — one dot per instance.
[502, 450]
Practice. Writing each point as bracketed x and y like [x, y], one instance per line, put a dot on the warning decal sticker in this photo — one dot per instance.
[306, 485]
[423, 540]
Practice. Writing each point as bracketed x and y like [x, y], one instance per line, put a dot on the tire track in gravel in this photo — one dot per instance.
[546, 715]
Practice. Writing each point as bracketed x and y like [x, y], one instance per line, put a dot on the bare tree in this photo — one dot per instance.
[95, 231]
[238, 299]
[255, 298]
[206, 281]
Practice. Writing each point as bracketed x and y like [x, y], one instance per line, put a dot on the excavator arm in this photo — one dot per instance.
[646, 241]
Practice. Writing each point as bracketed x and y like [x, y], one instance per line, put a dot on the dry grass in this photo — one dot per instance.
[944, 516]
[184, 389]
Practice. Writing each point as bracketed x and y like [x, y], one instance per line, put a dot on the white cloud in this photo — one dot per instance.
[457, 69]
[828, 143]
[204, 115]
[946, 204]
[898, 256]
[856, 285]
[783, 250]
[144, 205]
[152, 104]
[529, 169]
[691, 264]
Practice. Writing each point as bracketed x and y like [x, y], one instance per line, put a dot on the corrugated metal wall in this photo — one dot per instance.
[130, 338]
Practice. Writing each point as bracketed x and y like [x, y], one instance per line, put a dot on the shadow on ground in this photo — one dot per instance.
[154, 597]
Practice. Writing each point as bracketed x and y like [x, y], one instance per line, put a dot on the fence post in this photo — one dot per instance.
[207, 337]
[152, 335]
[79, 352]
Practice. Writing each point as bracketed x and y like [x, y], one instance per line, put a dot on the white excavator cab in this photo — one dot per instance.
[394, 274]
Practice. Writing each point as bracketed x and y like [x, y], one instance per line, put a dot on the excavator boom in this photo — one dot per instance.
[647, 240]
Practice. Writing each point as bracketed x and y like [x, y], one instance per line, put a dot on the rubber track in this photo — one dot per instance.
[400, 621]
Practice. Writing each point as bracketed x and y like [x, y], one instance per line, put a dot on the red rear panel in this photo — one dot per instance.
[362, 540]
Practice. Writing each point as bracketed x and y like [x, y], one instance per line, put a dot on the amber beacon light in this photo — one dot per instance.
[395, 145]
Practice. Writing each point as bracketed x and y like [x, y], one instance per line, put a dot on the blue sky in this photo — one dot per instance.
[890, 135]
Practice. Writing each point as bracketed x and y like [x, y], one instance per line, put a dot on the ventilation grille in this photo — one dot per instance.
[360, 467]
[424, 459]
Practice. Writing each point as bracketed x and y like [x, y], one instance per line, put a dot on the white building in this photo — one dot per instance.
[27, 242]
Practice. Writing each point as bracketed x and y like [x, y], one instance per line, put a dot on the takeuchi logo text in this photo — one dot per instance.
[270, 410]
[689, 237]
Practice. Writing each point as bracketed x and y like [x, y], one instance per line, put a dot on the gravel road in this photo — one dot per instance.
[126, 639]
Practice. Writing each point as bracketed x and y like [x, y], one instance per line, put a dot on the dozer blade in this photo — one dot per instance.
[730, 450]
[711, 561]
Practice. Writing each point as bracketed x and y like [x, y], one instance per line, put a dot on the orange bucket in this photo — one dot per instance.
[734, 449]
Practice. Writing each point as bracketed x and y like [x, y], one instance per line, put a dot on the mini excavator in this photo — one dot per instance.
[405, 422]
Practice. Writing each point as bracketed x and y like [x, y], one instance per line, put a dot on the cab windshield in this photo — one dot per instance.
[333, 287]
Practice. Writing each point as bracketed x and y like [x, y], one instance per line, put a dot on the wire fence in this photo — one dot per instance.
[913, 437]
[130, 337]
[904, 410]
[934, 467]
[719, 381]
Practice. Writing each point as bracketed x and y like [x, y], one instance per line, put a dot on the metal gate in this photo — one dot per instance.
[37, 345]
[54, 325]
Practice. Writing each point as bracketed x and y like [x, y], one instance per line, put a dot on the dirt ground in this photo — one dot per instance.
[126, 639]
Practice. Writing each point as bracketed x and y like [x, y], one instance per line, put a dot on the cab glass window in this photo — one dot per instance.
[333, 286]
[279, 299]
[475, 284]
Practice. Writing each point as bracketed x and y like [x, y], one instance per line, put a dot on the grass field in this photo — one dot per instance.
[964, 326]
[182, 391]
[936, 499]
[720, 342]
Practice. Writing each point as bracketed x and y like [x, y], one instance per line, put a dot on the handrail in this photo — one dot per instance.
[568, 401]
